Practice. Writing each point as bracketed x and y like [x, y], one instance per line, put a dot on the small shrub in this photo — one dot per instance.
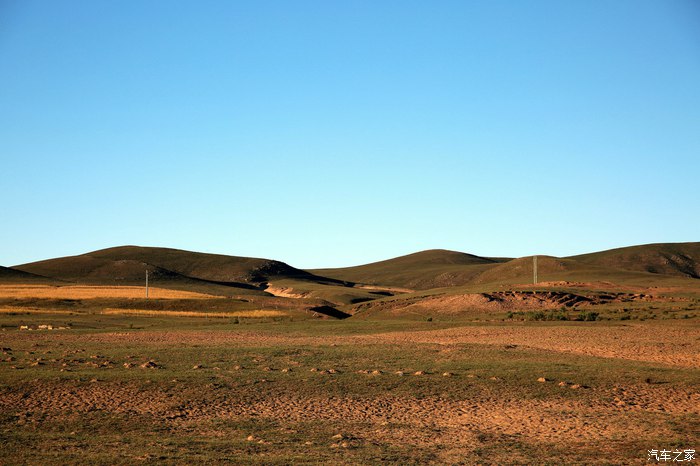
[588, 316]
[536, 315]
[546, 316]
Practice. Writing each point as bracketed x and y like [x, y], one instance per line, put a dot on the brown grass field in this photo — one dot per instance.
[115, 383]
[255, 314]
[91, 292]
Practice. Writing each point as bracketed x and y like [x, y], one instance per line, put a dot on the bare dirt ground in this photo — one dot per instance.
[667, 344]
[578, 393]
[284, 292]
[511, 300]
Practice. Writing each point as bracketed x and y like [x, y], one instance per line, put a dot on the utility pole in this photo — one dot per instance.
[146, 283]
[534, 270]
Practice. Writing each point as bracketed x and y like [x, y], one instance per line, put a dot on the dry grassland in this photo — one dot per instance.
[92, 292]
[260, 313]
[166, 386]
[26, 310]
[264, 394]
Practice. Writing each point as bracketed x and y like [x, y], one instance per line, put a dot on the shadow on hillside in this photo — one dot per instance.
[330, 312]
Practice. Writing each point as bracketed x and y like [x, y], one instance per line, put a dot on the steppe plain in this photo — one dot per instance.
[433, 358]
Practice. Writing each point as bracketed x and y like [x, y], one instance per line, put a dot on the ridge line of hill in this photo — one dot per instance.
[435, 268]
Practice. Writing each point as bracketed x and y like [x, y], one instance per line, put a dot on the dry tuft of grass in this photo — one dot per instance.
[91, 292]
[258, 313]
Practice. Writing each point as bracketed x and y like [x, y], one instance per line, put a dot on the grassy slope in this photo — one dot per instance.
[211, 267]
[170, 268]
[9, 275]
[431, 272]
[422, 270]
[337, 295]
[183, 270]
[519, 271]
[643, 265]
[128, 262]
[680, 259]
[588, 277]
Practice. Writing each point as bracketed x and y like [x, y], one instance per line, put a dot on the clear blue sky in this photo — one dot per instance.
[334, 133]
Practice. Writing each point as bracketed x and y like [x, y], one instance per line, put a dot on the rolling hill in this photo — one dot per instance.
[10, 275]
[168, 267]
[440, 268]
[556, 269]
[679, 259]
[423, 270]
[644, 265]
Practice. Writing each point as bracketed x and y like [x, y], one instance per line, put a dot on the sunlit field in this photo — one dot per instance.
[125, 386]
[90, 292]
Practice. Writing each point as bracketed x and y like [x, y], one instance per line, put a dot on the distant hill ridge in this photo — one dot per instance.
[441, 268]
[127, 265]
[432, 268]
[10, 275]
[681, 259]
[435, 268]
